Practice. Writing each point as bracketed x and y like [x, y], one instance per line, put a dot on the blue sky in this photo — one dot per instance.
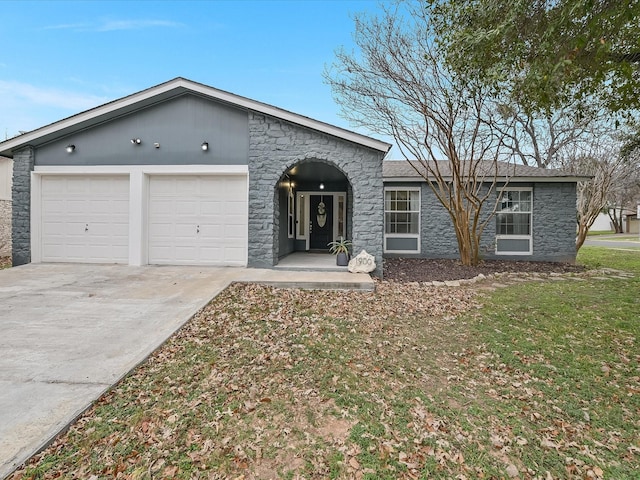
[59, 58]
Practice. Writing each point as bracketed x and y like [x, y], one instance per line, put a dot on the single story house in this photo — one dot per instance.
[183, 173]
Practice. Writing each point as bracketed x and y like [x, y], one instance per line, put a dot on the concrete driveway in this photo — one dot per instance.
[68, 332]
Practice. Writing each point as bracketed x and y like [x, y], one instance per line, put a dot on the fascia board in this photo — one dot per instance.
[572, 179]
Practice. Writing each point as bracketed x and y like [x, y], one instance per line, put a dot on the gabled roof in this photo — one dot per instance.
[402, 170]
[164, 91]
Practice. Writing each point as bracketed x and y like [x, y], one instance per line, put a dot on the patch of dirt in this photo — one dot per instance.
[335, 428]
[429, 270]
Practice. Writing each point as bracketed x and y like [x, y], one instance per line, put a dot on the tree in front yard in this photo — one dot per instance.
[547, 54]
[611, 170]
[398, 85]
[624, 194]
[567, 71]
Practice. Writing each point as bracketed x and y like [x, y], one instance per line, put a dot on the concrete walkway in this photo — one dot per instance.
[68, 332]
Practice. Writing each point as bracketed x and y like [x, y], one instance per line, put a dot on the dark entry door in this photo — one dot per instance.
[321, 220]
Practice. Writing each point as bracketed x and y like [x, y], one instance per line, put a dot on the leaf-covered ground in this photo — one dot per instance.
[535, 380]
[5, 262]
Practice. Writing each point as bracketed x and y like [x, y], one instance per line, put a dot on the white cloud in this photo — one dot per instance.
[115, 25]
[50, 97]
[111, 25]
[68, 26]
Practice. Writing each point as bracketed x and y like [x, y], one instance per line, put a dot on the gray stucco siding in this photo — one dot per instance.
[179, 125]
[274, 147]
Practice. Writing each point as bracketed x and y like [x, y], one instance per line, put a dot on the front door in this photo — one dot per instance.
[320, 221]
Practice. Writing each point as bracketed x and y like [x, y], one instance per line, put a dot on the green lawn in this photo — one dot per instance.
[536, 380]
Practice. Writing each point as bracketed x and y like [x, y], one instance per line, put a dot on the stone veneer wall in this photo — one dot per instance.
[554, 226]
[554, 222]
[438, 238]
[23, 162]
[274, 147]
[5, 228]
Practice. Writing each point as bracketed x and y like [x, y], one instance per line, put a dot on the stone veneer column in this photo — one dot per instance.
[274, 147]
[23, 162]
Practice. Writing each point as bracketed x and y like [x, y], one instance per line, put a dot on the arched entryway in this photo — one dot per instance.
[313, 207]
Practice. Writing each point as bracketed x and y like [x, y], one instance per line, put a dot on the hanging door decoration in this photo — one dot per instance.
[322, 213]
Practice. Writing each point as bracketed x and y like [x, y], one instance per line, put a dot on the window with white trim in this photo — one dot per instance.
[514, 222]
[402, 220]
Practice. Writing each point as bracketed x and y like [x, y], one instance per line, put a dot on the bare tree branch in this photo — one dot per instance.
[397, 85]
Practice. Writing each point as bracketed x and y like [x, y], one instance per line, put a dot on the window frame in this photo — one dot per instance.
[417, 236]
[506, 236]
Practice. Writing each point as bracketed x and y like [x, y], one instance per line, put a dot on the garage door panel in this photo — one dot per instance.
[160, 206]
[184, 253]
[85, 219]
[186, 185]
[212, 232]
[101, 231]
[53, 185]
[236, 208]
[53, 229]
[199, 216]
[53, 206]
[235, 255]
[185, 231]
[111, 208]
[234, 231]
[211, 254]
[161, 230]
[212, 207]
[183, 207]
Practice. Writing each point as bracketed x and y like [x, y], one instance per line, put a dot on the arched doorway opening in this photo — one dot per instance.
[313, 207]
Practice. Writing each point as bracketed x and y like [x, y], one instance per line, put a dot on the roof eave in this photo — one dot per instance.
[524, 179]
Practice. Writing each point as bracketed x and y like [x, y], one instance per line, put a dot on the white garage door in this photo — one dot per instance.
[85, 219]
[198, 220]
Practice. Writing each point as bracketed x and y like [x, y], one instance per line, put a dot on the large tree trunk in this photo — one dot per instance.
[468, 239]
[582, 235]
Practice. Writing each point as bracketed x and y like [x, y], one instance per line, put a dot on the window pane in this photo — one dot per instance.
[414, 204]
[414, 223]
[389, 224]
[402, 211]
[341, 232]
[302, 219]
[513, 224]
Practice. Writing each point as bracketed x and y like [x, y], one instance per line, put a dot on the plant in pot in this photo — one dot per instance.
[340, 248]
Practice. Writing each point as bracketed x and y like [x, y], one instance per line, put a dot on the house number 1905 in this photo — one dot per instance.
[364, 261]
